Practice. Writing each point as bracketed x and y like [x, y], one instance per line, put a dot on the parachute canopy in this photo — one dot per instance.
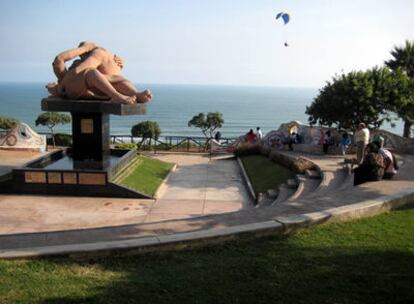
[285, 17]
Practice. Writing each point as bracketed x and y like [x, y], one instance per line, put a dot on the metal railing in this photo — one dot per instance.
[196, 144]
[171, 143]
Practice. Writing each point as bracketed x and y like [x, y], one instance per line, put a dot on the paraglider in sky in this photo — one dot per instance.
[285, 17]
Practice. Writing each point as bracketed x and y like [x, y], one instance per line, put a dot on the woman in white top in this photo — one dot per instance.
[391, 165]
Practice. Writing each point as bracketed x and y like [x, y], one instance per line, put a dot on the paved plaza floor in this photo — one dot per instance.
[10, 159]
[199, 186]
[202, 199]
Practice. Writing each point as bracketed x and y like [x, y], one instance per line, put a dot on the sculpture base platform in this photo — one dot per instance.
[87, 168]
[56, 174]
[90, 127]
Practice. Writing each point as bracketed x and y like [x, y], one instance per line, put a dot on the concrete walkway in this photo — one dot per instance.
[10, 159]
[199, 186]
[335, 199]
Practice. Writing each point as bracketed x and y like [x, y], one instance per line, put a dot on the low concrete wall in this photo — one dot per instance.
[396, 142]
[297, 164]
[162, 186]
[247, 179]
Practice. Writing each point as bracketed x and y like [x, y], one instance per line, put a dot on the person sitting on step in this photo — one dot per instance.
[372, 166]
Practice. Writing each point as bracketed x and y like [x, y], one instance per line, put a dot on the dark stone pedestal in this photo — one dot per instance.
[90, 127]
[90, 133]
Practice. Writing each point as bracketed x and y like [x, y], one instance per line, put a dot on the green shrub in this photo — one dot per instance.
[61, 139]
[247, 149]
[265, 150]
[6, 123]
[51, 120]
[126, 146]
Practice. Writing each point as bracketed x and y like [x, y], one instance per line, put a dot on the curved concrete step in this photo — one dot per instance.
[300, 180]
[326, 191]
[266, 199]
[313, 174]
[296, 187]
[332, 174]
[331, 181]
[299, 186]
[347, 183]
[284, 193]
[306, 187]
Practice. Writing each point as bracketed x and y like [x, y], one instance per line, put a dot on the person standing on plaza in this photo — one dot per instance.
[259, 134]
[251, 137]
[345, 143]
[327, 141]
[217, 136]
[361, 140]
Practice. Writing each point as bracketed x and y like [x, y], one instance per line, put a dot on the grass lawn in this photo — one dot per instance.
[264, 174]
[363, 261]
[144, 174]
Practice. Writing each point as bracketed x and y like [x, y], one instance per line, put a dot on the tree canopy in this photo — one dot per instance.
[146, 130]
[51, 120]
[403, 58]
[369, 96]
[352, 98]
[7, 123]
[402, 64]
[207, 123]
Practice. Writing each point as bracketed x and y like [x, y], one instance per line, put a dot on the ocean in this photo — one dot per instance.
[243, 108]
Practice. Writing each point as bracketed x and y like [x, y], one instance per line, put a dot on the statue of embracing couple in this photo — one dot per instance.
[96, 74]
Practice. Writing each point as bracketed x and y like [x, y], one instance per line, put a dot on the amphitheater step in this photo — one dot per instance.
[306, 187]
[292, 183]
[267, 198]
[331, 181]
[348, 181]
[264, 200]
[272, 193]
[313, 174]
[284, 193]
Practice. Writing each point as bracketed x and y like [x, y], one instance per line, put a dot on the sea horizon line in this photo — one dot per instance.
[185, 84]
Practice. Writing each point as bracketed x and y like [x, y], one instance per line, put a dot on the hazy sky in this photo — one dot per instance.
[207, 41]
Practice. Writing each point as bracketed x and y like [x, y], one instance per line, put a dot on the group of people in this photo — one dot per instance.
[328, 141]
[254, 138]
[374, 161]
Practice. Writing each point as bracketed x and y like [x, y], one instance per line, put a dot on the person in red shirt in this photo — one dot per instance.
[251, 137]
